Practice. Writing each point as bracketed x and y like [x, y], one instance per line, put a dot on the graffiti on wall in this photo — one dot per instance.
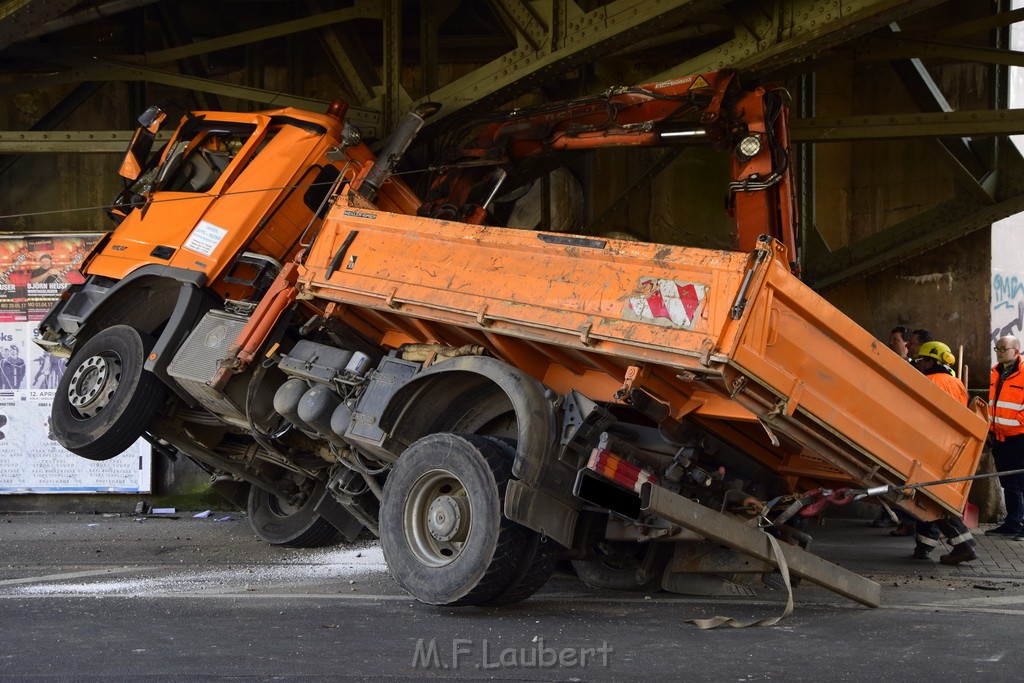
[1007, 306]
[1006, 314]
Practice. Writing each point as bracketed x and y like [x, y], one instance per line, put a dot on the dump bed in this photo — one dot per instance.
[732, 341]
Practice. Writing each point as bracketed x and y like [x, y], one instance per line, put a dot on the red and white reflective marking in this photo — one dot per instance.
[666, 302]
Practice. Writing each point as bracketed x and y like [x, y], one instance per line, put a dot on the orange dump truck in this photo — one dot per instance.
[279, 307]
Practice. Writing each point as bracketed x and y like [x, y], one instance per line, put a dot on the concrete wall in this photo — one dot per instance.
[864, 188]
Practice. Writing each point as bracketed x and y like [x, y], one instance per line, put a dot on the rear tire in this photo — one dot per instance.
[444, 536]
[280, 522]
[106, 400]
[632, 567]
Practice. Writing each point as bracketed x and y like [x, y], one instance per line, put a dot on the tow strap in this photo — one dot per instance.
[780, 559]
[809, 504]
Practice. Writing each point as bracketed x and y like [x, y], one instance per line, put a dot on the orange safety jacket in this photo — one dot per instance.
[951, 385]
[1006, 403]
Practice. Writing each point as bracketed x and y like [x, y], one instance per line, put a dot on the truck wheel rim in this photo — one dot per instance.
[285, 507]
[94, 383]
[437, 518]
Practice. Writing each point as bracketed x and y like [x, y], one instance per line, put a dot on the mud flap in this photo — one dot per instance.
[340, 518]
[186, 311]
[536, 510]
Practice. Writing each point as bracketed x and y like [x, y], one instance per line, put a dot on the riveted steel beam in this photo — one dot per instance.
[978, 26]
[173, 26]
[881, 47]
[528, 26]
[369, 120]
[66, 141]
[943, 224]
[56, 115]
[587, 35]
[19, 17]
[9, 8]
[429, 24]
[900, 126]
[981, 187]
[929, 230]
[363, 9]
[350, 61]
[929, 97]
[392, 66]
[560, 13]
[795, 30]
[348, 57]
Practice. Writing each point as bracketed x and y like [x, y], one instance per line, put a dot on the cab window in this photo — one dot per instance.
[200, 154]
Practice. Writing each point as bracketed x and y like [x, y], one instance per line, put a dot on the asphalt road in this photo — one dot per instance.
[93, 597]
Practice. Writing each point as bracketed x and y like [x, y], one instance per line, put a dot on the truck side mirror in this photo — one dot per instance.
[152, 115]
[142, 143]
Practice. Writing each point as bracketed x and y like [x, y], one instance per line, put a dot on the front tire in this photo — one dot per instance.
[105, 400]
[442, 530]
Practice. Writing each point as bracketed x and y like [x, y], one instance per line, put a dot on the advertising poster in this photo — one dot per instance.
[34, 270]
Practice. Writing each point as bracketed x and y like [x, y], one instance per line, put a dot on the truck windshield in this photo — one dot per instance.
[200, 153]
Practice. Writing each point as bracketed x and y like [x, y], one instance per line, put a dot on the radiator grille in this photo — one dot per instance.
[198, 360]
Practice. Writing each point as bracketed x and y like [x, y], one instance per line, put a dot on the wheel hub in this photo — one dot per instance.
[93, 383]
[444, 518]
[437, 518]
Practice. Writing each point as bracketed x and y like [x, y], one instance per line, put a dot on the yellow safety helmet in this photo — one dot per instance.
[936, 350]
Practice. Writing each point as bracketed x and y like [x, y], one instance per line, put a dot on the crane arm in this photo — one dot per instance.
[751, 123]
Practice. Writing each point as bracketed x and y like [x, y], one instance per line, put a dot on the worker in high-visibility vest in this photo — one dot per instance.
[935, 360]
[1006, 432]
